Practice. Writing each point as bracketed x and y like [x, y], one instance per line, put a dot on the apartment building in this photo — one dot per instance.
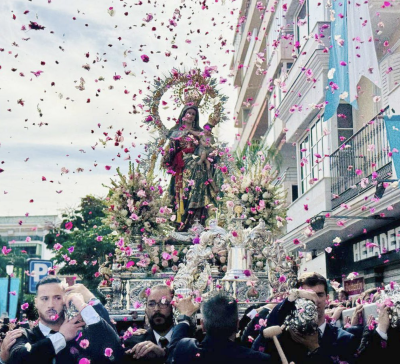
[27, 233]
[333, 170]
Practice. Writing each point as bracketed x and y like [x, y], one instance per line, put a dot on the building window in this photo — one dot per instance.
[302, 24]
[344, 122]
[312, 151]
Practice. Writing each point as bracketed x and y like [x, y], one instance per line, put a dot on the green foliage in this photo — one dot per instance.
[250, 155]
[88, 252]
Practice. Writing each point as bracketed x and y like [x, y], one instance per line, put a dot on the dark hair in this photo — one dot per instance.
[220, 316]
[47, 280]
[312, 279]
[346, 294]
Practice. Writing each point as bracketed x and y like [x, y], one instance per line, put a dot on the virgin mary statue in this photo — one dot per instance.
[192, 188]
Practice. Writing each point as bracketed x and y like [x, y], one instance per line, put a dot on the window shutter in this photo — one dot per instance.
[395, 64]
[385, 82]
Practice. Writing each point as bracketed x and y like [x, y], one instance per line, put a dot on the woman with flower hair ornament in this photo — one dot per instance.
[190, 187]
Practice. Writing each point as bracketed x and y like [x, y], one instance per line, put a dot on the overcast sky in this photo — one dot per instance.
[79, 33]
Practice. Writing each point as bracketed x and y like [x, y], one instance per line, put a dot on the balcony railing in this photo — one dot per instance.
[366, 151]
[288, 175]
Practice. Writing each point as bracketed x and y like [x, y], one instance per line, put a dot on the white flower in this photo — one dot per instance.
[124, 213]
[245, 197]
[266, 195]
[28, 347]
[128, 222]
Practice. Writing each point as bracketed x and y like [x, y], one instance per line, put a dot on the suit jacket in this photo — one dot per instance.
[100, 335]
[250, 331]
[374, 349]
[183, 350]
[335, 344]
[134, 340]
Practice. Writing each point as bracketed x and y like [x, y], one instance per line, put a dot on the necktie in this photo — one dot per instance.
[319, 336]
[163, 342]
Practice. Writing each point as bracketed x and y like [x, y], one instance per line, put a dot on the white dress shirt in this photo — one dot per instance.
[167, 336]
[89, 315]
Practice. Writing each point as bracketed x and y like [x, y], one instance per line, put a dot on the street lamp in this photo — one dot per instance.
[9, 271]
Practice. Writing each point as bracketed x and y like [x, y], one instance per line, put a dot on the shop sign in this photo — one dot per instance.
[379, 244]
[354, 286]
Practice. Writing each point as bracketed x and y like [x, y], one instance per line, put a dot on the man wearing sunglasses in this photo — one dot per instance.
[151, 346]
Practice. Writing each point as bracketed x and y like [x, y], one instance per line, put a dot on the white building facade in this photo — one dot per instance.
[281, 70]
[28, 233]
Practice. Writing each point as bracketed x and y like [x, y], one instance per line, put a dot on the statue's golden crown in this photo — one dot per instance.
[191, 96]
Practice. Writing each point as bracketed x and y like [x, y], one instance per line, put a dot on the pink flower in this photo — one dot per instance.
[84, 361]
[84, 344]
[145, 58]
[71, 249]
[234, 233]
[57, 246]
[107, 168]
[108, 352]
[134, 217]
[282, 279]
[166, 256]
[296, 241]
[328, 249]
[359, 172]
[99, 238]
[5, 251]
[68, 225]
[54, 317]
[130, 264]
[247, 273]
[25, 306]
[141, 193]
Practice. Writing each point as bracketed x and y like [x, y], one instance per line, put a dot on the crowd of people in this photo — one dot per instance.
[74, 327]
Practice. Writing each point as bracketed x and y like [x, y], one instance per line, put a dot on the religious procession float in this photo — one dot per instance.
[191, 213]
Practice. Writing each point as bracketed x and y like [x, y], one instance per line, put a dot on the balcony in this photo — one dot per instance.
[367, 147]
[288, 181]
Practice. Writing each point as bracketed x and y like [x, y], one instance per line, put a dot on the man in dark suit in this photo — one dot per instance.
[328, 345]
[381, 343]
[151, 346]
[60, 339]
[220, 322]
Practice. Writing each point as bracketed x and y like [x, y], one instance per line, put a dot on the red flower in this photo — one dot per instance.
[145, 58]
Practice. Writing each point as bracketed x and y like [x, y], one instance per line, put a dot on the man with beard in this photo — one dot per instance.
[151, 346]
[66, 340]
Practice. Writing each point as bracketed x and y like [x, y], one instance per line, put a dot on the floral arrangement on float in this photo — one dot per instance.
[137, 213]
[254, 184]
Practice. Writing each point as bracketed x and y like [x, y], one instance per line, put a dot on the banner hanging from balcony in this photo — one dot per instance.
[352, 54]
[338, 78]
[393, 135]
